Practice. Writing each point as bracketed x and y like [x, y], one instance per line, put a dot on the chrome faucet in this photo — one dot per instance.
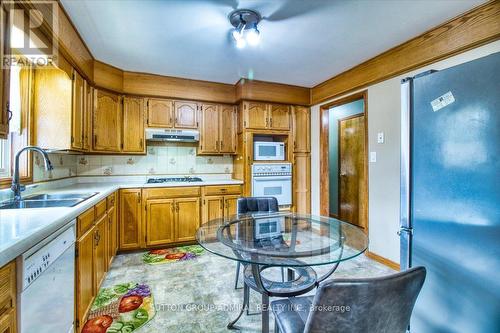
[16, 187]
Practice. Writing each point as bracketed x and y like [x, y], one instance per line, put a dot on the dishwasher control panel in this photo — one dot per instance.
[36, 263]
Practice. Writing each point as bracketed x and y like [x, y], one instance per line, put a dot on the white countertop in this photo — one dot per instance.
[20, 229]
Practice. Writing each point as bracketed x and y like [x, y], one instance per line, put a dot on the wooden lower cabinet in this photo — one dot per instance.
[130, 219]
[8, 318]
[100, 251]
[84, 275]
[302, 183]
[220, 201]
[230, 205]
[160, 221]
[112, 235]
[187, 218]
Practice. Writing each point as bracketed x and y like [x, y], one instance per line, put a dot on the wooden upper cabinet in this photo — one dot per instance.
[279, 117]
[133, 125]
[78, 112]
[4, 75]
[106, 122]
[160, 113]
[130, 219]
[87, 116]
[255, 115]
[186, 114]
[301, 120]
[227, 129]
[160, 221]
[209, 140]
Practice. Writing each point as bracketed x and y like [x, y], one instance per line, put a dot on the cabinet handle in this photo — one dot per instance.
[139, 198]
[95, 140]
[221, 144]
[177, 206]
[271, 122]
[141, 143]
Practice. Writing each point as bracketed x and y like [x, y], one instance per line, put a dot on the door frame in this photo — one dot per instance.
[324, 195]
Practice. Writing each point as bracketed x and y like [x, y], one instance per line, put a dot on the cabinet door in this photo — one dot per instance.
[160, 113]
[301, 129]
[209, 136]
[279, 117]
[227, 129]
[84, 274]
[87, 116]
[186, 114]
[230, 204]
[133, 125]
[8, 321]
[213, 208]
[130, 219]
[188, 218]
[160, 221]
[100, 253]
[4, 75]
[106, 122]
[256, 115]
[78, 111]
[302, 183]
[112, 235]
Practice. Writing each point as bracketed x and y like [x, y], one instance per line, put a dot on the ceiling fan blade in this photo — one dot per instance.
[293, 8]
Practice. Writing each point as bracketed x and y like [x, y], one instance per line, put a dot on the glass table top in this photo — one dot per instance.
[282, 239]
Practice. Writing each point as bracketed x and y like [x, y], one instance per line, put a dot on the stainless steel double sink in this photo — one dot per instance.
[48, 200]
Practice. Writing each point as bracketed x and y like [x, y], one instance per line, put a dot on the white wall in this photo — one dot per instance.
[383, 176]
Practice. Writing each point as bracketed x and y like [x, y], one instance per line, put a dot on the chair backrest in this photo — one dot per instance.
[375, 305]
[257, 205]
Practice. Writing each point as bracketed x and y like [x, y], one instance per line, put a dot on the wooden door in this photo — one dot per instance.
[84, 274]
[106, 122]
[188, 218]
[279, 118]
[213, 208]
[160, 113]
[186, 114]
[227, 129]
[100, 253]
[4, 74]
[352, 177]
[209, 136]
[302, 183]
[133, 125]
[230, 205]
[160, 221]
[256, 115]
[301, 129]
[130, 219]
[78, 112]
[87, 116]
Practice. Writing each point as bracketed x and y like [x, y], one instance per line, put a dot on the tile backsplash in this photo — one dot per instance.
[170, 159]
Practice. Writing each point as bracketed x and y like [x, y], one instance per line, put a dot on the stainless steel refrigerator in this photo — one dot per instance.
[450, 195]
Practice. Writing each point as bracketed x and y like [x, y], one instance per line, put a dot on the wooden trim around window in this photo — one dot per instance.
[324, 150]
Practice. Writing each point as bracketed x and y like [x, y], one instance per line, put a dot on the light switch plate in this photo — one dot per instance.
[380, 137]
[373, 156]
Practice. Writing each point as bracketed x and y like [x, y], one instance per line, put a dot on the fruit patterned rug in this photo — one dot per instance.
[122, 308]
[181, 253]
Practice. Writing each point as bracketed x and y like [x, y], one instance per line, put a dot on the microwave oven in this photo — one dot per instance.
[268, 151]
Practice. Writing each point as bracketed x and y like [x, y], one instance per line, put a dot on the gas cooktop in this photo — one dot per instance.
[174, 179]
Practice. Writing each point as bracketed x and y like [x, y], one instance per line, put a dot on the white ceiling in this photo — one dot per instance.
[303, 42]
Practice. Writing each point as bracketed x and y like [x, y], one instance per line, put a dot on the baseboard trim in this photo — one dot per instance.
[382, 260]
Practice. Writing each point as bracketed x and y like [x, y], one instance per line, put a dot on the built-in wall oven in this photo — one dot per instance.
[273, 180]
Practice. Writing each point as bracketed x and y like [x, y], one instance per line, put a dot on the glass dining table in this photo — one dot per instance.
[297, 243]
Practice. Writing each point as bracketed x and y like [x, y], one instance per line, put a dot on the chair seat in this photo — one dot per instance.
[291, 314]
[304, 281]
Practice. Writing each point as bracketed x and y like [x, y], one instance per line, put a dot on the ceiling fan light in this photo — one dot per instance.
[253, 36]
[241, 43]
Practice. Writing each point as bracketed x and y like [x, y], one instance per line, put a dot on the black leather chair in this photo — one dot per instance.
[254, 205]
[376, 305]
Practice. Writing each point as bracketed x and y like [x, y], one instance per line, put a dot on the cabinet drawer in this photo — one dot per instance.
[172, 192]
[111, 201]
[85, 221]
[222, 189]
[100, 208]
[7, 286]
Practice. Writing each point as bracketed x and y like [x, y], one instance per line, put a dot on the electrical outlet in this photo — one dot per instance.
[373, 156]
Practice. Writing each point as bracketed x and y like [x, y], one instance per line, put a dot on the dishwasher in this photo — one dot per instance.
[47, 276]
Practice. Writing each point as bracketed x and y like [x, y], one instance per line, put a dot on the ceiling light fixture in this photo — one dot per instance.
[245, 30]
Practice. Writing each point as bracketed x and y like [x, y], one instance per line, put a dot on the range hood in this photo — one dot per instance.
[172, 134]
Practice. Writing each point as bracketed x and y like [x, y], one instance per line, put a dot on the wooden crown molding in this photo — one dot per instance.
[476, 27]
[271, 92]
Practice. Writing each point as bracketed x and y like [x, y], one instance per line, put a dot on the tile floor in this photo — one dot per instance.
[198, 295]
